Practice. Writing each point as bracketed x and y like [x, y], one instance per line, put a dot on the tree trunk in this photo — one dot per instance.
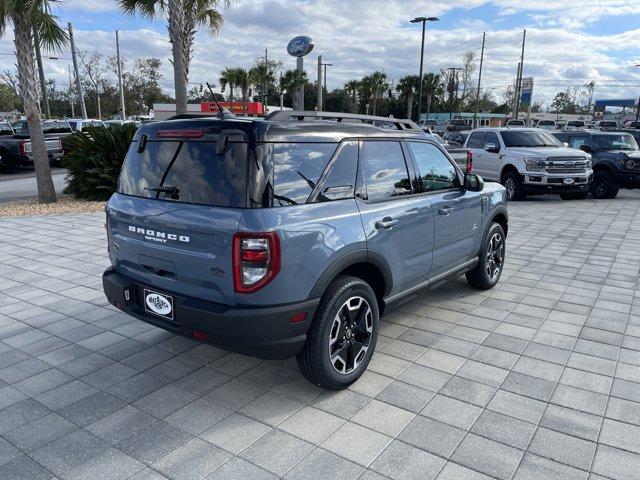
[231, 91]
[176, 32]
[409, 104]
[28, 79]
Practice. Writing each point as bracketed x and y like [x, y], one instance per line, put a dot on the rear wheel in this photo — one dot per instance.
[513, 184]
[343, 335]
[491, 261]
[574, 196]
[604, 185]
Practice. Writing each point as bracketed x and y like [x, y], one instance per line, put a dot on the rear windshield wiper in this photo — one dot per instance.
[167, 189]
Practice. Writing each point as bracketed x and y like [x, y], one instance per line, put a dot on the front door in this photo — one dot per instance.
[457, 212]
[398, 224]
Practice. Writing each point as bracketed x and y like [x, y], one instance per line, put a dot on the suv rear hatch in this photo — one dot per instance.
[178, 205]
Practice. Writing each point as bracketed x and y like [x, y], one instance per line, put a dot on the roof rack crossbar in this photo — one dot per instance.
[292, 115]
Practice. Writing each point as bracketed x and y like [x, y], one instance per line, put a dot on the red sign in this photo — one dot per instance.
[252, 108]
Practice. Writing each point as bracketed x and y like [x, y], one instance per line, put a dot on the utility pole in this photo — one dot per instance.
[453, 88]
[122, 111]
[475, 113]
[73, 110]
[519, 87]
[424, 21]
[514, 104]
[325, 65]
[43, 83]
[83, 108]
[319, 95]
[265, 88]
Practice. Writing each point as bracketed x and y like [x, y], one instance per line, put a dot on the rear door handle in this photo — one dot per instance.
[386, 223]
[445, 211]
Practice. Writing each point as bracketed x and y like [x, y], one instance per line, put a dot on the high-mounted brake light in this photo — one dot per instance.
[469, 161]
[256, 260]
[191, 133]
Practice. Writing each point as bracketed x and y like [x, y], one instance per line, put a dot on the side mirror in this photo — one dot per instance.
[473, 182]
[492, 148]
[585, 148]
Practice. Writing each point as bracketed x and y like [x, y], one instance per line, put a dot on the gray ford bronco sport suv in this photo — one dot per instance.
[291, 235]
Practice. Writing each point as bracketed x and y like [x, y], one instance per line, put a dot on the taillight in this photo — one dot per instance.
[256, 260]
[22, 148]
[469, 160]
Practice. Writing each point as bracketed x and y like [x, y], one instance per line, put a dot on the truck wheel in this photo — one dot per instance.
[343, 335]
[7, 167]
[489, 268]
[513, 184]
[604, 185]
[574, 196]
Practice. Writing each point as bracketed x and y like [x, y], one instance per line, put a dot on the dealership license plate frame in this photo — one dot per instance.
[146, 292]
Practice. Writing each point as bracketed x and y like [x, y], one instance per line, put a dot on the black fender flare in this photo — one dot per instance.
[501, 209]
[345, 261]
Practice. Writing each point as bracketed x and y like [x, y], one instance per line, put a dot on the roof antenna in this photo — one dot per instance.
[220, 112]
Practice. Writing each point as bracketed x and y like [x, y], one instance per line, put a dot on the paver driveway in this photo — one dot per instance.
[537, 378]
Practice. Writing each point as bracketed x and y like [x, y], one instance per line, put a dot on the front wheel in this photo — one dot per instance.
[513, 184]
[604, 185]
[491, 260]
[343, 335]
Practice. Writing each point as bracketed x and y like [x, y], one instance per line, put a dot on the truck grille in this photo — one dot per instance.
[567, 165]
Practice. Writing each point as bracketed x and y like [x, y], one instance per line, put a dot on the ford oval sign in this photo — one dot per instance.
[300, 46]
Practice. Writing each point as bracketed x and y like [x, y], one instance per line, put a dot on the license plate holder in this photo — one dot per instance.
[159, 304]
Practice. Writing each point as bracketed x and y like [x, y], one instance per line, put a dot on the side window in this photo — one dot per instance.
[562, 137]
[384, 170]
[491, 137]
[297, 168]
[577, 142]
[341, 179]
[435, 170]
[475, 140]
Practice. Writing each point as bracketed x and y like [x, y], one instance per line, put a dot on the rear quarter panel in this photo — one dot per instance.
[312, 237]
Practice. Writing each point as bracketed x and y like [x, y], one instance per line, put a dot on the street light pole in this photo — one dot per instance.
[424, 21]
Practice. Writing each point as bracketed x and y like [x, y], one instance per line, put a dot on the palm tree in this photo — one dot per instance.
[352, 88]
[292, 81]
[184, 19]
[243, 80]
[228, 77]
[378, 83]
[29, 17]
[407, 86]
[432, 88]
[263, 77]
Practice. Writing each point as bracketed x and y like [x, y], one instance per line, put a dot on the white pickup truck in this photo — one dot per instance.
[529, 161]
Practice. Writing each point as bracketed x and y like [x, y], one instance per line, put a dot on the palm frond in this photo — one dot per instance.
[146, 8]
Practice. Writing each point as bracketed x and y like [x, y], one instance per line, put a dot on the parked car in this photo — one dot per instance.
[634, 132]
[78, 124]
[107, 123]
[284, 237]
[575, 125]
[15, 145]
[456, 138]
[516, 123]
[549, 125]
[530, 161]
[606, 125]
[431, 124]
[633, 125]
[615, 158]
[456, 124]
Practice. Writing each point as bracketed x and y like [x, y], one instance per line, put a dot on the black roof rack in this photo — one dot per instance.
[380, 122]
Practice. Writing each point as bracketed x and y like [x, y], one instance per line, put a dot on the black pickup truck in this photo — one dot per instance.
[15, 144]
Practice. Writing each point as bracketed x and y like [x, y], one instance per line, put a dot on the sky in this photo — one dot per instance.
[568, 42]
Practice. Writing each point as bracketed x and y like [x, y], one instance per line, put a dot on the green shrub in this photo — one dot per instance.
[94, 158]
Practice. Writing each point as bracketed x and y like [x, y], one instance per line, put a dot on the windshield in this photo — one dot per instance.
[608, 124]
[623, 141]
[575, 124]
[529, 138]
[54, 126]
[516, 122]
[5, 129]
[546, 122]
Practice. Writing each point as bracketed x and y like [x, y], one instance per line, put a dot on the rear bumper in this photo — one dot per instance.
[261, 332]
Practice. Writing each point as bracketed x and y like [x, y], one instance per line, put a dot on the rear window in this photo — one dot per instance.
[189, 172]
[546, 122]
[54, 126]
[5, 129]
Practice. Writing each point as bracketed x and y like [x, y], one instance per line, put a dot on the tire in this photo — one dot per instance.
[492, 255]
[513, 184]
[333, 356]
[574, 196]
[604, 185]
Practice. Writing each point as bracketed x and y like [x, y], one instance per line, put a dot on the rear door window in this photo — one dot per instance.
[189, 172]
[491, 137]
[296, 170]
[385, 172]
